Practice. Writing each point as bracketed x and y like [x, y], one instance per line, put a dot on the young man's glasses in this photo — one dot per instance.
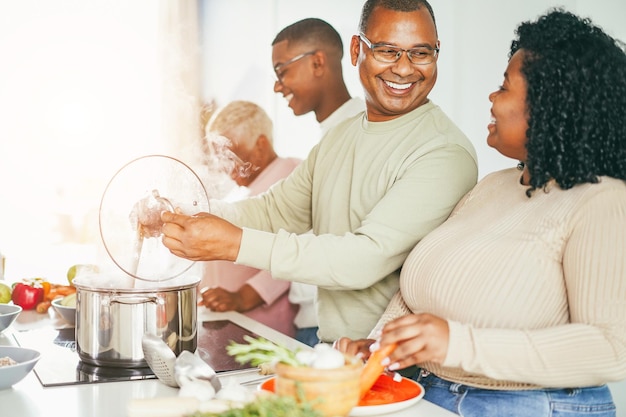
[278, 69]
[389, 54]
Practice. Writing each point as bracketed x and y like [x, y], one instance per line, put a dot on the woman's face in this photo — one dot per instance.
[509, 115]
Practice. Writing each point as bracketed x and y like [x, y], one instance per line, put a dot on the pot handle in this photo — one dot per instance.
[137, 299]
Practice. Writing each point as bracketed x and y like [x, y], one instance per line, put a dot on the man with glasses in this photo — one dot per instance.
[306, 56]
[370, 190]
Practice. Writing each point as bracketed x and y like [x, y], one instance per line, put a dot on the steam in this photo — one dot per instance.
[221, 158]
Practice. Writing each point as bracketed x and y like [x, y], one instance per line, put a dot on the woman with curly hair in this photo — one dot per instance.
[516, 305]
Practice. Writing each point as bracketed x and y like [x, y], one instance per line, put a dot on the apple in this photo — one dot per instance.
[5, 293]
[69, 300]
[82, 269]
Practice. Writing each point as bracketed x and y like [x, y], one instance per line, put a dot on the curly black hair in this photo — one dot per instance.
[576, 98]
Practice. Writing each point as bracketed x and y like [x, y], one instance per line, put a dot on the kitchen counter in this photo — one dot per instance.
[29, 398]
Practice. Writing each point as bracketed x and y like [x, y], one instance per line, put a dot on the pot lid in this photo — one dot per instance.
[129, 216]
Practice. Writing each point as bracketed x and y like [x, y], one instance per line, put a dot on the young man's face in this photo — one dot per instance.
[295, 73]
[394, 89]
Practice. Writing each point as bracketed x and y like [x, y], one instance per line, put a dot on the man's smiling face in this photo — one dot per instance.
[296, 79]
[394, 89]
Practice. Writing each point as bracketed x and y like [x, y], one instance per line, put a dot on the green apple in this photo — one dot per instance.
[69, 300]
[5, 293]
[71, 273]
[82, 268]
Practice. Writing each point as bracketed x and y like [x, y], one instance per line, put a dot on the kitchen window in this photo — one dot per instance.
[82, 92]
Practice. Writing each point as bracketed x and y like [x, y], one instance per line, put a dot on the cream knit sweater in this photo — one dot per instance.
[534, 289]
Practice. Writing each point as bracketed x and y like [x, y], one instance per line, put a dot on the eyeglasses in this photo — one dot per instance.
[389, 54]
[278, 68]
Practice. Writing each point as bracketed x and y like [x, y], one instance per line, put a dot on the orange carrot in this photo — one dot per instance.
[64, 290]
[52, 294]
[373, 368]
[43, 307]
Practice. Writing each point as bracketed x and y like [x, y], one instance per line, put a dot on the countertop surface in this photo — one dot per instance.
[29, 398]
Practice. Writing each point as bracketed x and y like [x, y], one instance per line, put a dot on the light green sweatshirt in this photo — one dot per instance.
[369, 191]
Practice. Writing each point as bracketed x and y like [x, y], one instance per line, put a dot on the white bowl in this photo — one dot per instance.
[26, 360]
[8, 314]
[68, 313]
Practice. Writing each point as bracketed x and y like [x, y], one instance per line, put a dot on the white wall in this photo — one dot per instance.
[245, 70]
[475, 37]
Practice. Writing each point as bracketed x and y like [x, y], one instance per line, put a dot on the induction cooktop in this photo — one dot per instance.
[60, 364]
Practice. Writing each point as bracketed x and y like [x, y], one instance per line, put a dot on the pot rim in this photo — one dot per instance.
[100, 288]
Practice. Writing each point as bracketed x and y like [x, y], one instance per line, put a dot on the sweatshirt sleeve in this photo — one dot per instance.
[285, 205]
[269, 289]
[417, 202]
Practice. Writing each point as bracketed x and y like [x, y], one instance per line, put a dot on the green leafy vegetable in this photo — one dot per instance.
[268, 406]
[260, 350]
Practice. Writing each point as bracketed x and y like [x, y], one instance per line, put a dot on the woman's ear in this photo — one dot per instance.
[261, 144]
[262, 147]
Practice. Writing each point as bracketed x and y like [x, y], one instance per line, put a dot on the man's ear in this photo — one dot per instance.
[355, 48]
[319, 62]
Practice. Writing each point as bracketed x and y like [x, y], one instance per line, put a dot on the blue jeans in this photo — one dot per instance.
[476, 402]
[307, 335]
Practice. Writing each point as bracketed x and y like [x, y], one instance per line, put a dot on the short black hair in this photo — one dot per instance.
[311, 30]
[397, 5]
[576, 99]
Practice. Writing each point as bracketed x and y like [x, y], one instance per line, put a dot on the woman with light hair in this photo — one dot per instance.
[243, 131]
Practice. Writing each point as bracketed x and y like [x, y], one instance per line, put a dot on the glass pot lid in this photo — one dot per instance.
[129, 215]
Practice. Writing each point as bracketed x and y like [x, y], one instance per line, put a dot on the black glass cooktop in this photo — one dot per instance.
[60, 364]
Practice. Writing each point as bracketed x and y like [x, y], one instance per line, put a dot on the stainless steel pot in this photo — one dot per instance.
[110, 323]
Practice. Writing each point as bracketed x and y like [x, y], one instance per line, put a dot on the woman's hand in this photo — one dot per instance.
[359, 348]
[219, 299]
[420, 338]
[202, 237]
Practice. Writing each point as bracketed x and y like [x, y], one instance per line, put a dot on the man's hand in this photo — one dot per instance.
[202, 237]
[145, 216]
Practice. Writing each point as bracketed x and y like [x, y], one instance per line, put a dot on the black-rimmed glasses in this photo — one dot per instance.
[279, 67]
[389, 54]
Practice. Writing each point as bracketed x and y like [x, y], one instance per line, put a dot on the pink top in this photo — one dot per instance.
[277, 312]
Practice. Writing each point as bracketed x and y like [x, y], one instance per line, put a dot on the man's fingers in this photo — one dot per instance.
[172, 217]
[167, 216]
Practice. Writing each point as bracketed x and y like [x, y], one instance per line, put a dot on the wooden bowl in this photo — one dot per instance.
[334, 392]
